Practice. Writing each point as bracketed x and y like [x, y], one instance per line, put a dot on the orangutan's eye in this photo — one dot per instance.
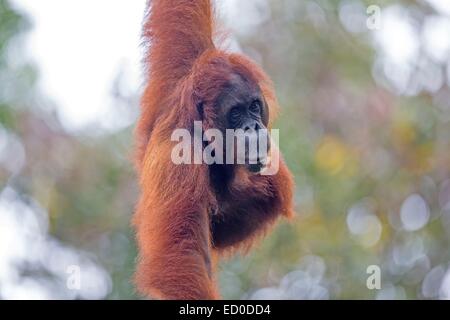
[235, 114]
[255, 107]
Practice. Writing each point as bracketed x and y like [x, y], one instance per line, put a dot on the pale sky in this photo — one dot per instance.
[78, 46]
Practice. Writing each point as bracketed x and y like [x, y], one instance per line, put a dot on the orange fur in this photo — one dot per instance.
[176, 234]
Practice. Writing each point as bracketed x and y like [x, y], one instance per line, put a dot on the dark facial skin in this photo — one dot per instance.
[242, 106]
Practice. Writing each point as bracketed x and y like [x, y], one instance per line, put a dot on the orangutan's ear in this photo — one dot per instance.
[265, 115]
